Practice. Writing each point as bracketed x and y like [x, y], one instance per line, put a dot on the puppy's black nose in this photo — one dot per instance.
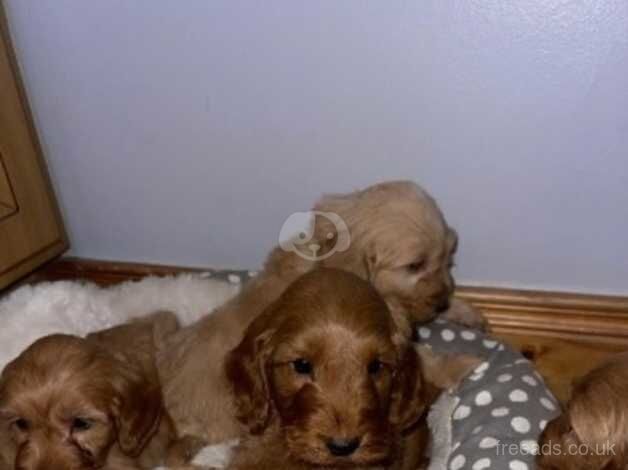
[442, 306]
[343, 447]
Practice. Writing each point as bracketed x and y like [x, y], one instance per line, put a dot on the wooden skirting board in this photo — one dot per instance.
[593, 318]
[564, 334]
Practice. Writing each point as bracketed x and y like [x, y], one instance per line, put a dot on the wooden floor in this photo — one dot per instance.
[561, 361]
[564, 334]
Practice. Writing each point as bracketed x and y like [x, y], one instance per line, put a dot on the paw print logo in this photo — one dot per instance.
[297, 235]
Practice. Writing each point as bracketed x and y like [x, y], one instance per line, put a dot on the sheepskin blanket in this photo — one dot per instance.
[79, 308]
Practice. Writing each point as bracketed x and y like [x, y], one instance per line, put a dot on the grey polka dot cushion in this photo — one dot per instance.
[234, 276]
[494, 419]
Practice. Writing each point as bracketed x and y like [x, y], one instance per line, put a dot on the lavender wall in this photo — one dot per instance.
[187, 131]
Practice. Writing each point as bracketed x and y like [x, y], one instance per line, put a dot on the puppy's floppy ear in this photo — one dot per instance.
[138, 408]
[370, 262]
[245, 368]
[409, 397]
[7, 451]
[452, 240]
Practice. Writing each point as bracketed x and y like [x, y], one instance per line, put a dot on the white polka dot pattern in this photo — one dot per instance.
[499, 412]
[518, 396]
[448, 335]
[462, 412]
[518, 465]
[481, 464]
[234, 279]
[457, 462]
[547, 403]
[520, 424]
[425, 333]
[529, 446]
[468, 335]
[483, 398]
[488, 443]
[475, 377]
[504, 401]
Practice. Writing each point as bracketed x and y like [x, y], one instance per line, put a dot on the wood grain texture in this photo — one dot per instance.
[565, 335]
[581, 317]
[34, 233]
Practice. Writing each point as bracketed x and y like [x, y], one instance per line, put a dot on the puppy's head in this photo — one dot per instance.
[66, 401]
[592, 433]
[399, 241]
[327, 361]
[561, 448]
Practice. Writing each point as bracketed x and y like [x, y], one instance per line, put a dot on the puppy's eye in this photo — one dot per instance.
[81, 424]
[302, 366]
[374, 367]
[21, 424]
[416, 266]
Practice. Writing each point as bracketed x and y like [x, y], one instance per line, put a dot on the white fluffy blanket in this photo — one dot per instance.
[78, 308]
[31, 312]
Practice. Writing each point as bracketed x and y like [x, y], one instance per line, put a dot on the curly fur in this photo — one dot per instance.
[73, 403]
[592, 432]
[362, 383]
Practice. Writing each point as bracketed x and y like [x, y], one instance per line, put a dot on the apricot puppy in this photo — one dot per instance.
[323, 378]
[73, 403]
[592, 432]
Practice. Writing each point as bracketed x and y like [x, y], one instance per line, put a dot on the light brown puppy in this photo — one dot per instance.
[325, 378]
[399, 242]
[592, 432]
[68, 403]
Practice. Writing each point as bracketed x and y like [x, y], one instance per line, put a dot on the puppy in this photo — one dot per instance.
[399, 242]
[73, 403]
[325, 379]
[592, 432]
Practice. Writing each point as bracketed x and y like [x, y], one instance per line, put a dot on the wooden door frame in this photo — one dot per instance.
[61, 244]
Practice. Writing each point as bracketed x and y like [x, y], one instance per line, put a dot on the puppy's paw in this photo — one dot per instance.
[446, 371]
[463, 313]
